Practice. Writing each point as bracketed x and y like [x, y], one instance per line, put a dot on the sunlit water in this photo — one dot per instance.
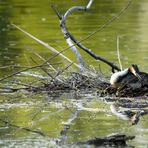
[47, 114]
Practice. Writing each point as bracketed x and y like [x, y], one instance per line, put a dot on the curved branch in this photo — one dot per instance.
[63, 26]
[67, 34]
[71, 45]
[69, 11]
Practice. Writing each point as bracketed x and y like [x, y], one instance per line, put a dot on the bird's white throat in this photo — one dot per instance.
[115, 77]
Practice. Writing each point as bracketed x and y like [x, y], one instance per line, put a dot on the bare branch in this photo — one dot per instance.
[83, 8]
[66, 33]
[69, 35]
[97, 57]
[70, 43]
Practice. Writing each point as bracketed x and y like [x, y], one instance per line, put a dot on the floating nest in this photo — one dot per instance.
[99, 84]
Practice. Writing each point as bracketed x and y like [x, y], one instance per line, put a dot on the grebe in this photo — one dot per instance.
[129, 76]
[126, 113]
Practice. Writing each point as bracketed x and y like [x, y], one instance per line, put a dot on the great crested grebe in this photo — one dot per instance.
[129, 76]
[126, 113]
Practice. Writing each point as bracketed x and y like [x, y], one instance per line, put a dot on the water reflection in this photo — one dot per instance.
[39, 116]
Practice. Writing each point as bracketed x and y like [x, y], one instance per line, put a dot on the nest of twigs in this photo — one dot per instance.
[82, 82]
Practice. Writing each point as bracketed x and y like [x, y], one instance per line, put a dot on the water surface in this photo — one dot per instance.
[48, 114]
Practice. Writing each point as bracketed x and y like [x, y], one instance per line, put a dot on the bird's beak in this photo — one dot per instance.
[134, 69]
[138, 76]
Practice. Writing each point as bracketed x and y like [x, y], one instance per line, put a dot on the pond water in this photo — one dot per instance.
[49, 114]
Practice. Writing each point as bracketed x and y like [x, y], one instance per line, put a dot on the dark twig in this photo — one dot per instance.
[57, 12]
[97, 57]
[108, 22]
[33, 67]
[9, 89]
[39, 56]
[24, 84]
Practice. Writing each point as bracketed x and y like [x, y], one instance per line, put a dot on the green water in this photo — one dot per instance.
[48, 114]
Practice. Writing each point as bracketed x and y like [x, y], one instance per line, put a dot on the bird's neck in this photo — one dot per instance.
[117, 77]
[123, 73]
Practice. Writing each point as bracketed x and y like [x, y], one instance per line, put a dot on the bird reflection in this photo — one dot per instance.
[126, 113]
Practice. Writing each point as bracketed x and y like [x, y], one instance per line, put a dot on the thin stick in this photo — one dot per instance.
[47, 72]
[43, 69]
[18, 72]
[108, 22]
[47, 62]
[32, 50]
[118, 53]
[45, 45]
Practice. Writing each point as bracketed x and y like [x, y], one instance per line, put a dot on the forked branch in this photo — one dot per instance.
[71, 38]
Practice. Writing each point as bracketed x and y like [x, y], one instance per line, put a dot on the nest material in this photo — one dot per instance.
[77, 81]
[81, 82]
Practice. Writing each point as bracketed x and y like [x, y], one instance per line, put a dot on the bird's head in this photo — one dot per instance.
[135, 70]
